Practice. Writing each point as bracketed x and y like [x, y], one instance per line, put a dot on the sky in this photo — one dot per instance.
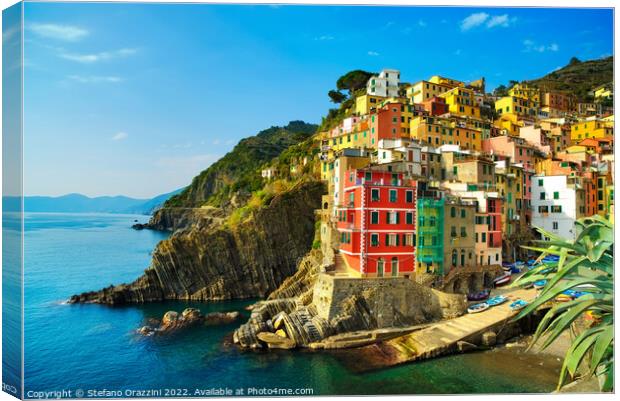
[136, 99]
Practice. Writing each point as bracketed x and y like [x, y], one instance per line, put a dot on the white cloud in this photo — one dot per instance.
[489, 21]
[457, 52]
[119, 136]
[473, 21]
[216, 142]
[373, 53]
[61, 32]
[422, 23]
[498, 20]
[96, 57]
[324, 37]
[94, 79]
[531, 46]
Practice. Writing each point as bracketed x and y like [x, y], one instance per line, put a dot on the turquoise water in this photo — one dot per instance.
[70, 347]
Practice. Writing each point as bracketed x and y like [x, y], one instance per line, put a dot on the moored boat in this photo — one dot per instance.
[540, 284]
[518, 305]
[478, 296]
[503, 279]
[497, 300]
[477, 308]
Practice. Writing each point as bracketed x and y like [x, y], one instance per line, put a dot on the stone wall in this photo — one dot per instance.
[391, 301]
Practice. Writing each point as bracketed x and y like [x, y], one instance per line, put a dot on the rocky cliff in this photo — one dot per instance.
[218, 262]
[312, 307]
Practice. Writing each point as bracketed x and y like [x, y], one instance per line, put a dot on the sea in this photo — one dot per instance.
[94, 350]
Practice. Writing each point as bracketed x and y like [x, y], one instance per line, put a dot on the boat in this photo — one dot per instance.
[563, 298]
[518, 305]
[540, 284]
[503, 279]
[574, 294]
[477, 308]
[497, 300]
[478, 296]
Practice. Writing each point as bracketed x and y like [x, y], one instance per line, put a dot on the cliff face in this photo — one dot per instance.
[216, 263]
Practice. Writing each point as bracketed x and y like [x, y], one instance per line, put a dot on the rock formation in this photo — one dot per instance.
[173, 322]
[218, 263]
[313, 305]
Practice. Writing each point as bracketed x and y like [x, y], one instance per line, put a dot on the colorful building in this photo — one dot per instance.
[377, 224]
[461, 102]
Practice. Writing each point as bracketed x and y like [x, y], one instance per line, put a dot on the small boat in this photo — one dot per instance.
[477, 308]
[497, 300]
[540, 284]
[503, 279]
[573, 294]
[478, 296]
[518, 305]
[563, 298]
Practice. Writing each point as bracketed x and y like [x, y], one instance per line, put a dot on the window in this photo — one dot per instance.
[463, 213]
[409, 196]
[452, 211]
[556, 209]
[463, 232]
[368, 176]
[543, 209]
[540, 183]
[555, 225]
[409, 218]
[351, 198]
[393, 195]
[374, 194]
[453, 232]
[556, 195]
[393, 217]
[394, 266]
[483, 237]
[374, 239]
[542, 196]
[374, 217]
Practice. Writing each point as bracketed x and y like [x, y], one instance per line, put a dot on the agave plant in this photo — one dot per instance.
[585, 265]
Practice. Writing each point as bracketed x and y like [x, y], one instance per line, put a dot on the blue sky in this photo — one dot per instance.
[136, 99]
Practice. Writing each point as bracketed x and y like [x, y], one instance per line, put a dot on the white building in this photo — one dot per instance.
[407, 152]
[385, 84]
[557, 201]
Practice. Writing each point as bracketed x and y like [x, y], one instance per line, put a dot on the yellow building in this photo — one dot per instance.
[437, 131]
[509, 122]
[518, 105]
[526, 92]
[452, 83]
[590, 129]
[461, 102]
[425, 90]
[365, 103]
[604, 92]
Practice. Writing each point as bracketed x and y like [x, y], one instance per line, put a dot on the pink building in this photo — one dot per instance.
[517, 149]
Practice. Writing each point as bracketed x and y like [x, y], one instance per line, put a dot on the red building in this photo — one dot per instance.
[436, 106]
[377, 223]
[387, 123]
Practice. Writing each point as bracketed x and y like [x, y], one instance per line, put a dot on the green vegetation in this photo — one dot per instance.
[587, 261]
[578, 77]
[239, 170]
[353, 80]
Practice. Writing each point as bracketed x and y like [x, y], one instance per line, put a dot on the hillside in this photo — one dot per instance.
[578, 77]
[240, 168]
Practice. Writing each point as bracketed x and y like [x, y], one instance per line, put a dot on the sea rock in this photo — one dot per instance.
[217, 318]
[172, 321]
[275, 341]
[219, 262]
[489, 338]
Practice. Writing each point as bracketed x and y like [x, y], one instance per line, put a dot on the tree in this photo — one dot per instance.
[353, 80]
[336, 96]
[573, 61]
[588, 261]
[512, 83]
[500, 91]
